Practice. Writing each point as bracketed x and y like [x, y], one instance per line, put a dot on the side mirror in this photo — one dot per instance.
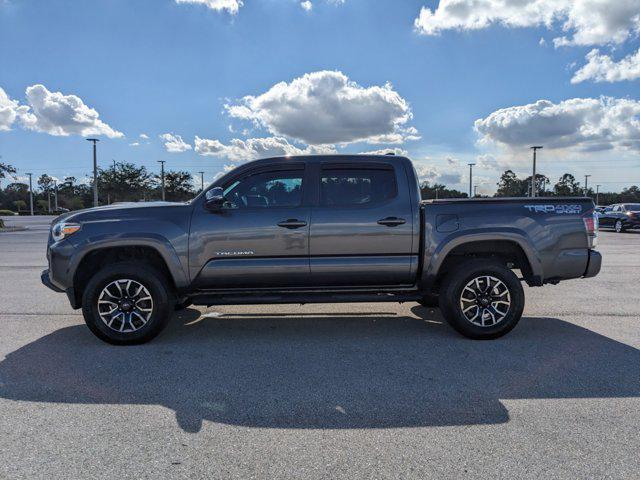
[214, 198]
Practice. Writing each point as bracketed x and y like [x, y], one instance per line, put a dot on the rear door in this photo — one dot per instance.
[361, 226]
[261, 236]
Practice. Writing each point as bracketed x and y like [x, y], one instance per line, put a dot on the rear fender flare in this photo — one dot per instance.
[432, 267]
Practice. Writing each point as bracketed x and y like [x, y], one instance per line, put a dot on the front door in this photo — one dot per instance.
[361, 231]
[260, 238]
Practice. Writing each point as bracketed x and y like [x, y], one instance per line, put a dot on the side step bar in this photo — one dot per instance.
[291, 297]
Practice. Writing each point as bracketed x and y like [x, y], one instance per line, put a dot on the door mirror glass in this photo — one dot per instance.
[214, 198]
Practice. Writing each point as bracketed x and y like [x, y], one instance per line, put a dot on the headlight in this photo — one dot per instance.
[63, 230]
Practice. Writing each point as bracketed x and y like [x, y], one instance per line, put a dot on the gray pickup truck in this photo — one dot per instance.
[317, 229]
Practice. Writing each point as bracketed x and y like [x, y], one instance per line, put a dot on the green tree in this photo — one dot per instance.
[178, 186]
[20, 205]
[124, 182]
[6, 169]
[438, 190]
[542, 182]
[567, 186]
[512, 186]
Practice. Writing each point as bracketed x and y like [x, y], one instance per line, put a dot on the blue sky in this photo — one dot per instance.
[158, 67]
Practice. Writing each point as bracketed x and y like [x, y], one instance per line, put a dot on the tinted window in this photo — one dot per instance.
[632, 207]
[264, 190]
[356, 186]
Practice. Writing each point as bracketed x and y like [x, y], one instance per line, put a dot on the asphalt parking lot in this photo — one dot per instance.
[322, 391]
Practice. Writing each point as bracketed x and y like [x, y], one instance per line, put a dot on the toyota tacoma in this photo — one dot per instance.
[327, 228]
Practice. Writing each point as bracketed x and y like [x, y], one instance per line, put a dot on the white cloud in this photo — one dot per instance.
[453, 162]
[587, 22]
[385, 151]
[487, 162]
[252, 148]
[61, 115]
[586, 124]
[327, 108]
[134, 144]
[144, 136]
[174, 143]
[10, 110]
[435, 174]
[231, 6]
[602, 68]
[306, 5]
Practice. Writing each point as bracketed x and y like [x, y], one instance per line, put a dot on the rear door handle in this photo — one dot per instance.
[392, 221]
[292, 223]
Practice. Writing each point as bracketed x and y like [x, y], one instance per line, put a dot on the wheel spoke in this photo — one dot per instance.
[485, 301]
[125, 313]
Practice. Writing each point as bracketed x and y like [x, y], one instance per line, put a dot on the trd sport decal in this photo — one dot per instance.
[562, 209]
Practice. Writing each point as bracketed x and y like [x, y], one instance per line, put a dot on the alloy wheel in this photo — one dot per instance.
[125, 305]
[485, 301]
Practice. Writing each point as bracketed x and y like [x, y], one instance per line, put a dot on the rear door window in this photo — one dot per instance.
[357, 186]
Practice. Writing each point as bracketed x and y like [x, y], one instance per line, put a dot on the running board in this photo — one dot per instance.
[302, 298]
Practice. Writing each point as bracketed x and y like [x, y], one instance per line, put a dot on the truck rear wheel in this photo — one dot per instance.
[482, 299]
[127, 303]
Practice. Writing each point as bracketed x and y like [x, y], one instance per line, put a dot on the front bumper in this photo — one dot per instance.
[595, 262]
[71, 294]
[46, 281]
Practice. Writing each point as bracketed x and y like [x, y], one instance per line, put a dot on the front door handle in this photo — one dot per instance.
[392, 221]
[292, 223]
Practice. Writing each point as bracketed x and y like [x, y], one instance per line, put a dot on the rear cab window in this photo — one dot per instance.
[357, 186]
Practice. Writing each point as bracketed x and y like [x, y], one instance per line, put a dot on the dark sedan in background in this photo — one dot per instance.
[621, 216]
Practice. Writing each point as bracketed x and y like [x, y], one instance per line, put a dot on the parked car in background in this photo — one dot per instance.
[621, 216]
[600, 209]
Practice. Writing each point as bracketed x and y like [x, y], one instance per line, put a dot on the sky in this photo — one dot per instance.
[208, 84]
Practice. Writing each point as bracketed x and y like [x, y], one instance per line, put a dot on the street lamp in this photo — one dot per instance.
[201, 181]
[95, 171]
[533, 177]
[30, 193]
[586, 185]
[161, 162]
[470, 177]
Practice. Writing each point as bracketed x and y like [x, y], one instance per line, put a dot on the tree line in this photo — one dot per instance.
[510, 185]
[126, 182]
[122, 182]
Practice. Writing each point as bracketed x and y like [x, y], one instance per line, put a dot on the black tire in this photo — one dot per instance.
[619, 227]
[429, 301]
[158, 288]
[182, 304]
[452, 289]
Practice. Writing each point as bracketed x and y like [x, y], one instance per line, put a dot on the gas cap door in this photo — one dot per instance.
[447, 222]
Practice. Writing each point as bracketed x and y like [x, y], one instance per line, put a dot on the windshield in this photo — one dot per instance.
[634, 207]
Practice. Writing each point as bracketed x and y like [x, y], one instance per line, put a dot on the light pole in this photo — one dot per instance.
[95, 171]
[533, 176]
[470, 177]
[201, 181]
[55, 198]
[597, 195]
[586, 185]
[30, 193]
[161, 162]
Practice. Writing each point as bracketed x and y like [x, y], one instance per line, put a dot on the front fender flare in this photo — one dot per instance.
[159, 243]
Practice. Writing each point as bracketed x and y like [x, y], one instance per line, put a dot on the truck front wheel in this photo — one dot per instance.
[127, 303]
[482, 299]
